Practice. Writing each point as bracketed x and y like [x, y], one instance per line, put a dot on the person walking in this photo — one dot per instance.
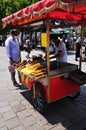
[78, 46]
[13, 55]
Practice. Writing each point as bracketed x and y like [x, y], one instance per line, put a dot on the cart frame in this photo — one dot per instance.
[52, 91]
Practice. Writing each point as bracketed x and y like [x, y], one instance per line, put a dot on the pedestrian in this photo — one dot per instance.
[85, 44]
[13, 55]
[29, 44]
[78, 46]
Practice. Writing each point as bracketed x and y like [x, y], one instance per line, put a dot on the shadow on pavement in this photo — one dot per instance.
[71, 114]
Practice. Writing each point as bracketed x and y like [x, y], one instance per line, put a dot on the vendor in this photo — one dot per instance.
[60, 50]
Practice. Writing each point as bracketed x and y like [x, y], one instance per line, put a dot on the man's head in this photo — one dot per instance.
[54, 37]
[14, 32]
[56, 40]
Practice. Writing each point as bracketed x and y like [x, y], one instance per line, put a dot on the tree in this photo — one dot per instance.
[84, 32]
[8, 7]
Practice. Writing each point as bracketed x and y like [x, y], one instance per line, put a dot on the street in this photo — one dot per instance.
[17, 112]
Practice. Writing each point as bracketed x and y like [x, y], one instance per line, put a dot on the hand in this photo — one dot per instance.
[10, 62]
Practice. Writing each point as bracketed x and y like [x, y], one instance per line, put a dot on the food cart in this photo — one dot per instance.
[48, 85]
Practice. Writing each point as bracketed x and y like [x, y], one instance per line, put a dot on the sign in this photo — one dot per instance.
[44, 39]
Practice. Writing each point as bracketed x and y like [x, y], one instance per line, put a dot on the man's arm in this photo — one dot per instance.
[8, 52]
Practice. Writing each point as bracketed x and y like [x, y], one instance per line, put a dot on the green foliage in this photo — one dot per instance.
[8, 7]
[84, 32]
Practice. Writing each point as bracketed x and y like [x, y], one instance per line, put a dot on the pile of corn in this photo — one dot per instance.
[33, 69]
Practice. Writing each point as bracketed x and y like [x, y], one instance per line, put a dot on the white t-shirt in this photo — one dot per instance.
[63, 56]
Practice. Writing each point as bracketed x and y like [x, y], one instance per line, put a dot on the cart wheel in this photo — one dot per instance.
[74, 95]
[39, 102]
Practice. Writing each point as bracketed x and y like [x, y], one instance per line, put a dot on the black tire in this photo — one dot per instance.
[74, 95]
[39, 102]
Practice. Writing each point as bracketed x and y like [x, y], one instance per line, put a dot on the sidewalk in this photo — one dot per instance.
[17, 113]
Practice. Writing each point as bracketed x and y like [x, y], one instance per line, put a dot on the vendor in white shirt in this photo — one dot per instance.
[60, 50]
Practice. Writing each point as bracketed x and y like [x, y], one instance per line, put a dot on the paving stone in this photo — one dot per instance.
[5, 109]
[6, 91]
[0, 115]
[67, 124]
[35, 127]
[23, 114]
[39, 118]
[1, 97]
[15, 102]
[58, 127]
[83, 121]
[11, 87]
[3, 103]
[28, 121]
[19, 96]
[19, 107]
[29, 106]
[1, 118]
[12, 123]
[9, 115]
[3, 128]
[78, 126]
[48, 126]
[53, 116]
[10, 97]
[20, 127]
[78, 117]
[81, 100]
[75, 106]
[2, 124]
[25, 102]
[65, 111]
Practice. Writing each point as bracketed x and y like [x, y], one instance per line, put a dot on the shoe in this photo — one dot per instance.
[16, 84]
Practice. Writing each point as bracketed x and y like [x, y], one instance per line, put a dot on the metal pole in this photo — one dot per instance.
[48, 53]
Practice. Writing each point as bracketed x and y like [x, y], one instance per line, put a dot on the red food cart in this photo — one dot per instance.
[64, 80]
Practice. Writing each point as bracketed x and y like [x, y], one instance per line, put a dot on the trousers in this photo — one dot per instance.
[13, 77]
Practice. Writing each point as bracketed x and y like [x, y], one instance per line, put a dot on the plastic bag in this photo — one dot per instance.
[11, 68]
